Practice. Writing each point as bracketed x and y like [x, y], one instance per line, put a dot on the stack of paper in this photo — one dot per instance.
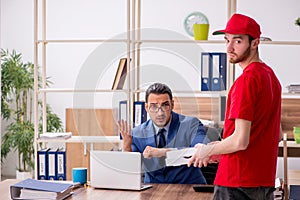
[56, 135]
[36, 194]
[293, 88]
[37, 189]
[179, 157]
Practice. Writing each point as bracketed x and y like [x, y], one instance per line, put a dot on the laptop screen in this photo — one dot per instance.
[115, 170]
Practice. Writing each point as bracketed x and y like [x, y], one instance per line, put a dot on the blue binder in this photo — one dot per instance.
[123, 112]
[205, 72]
[218, 67]
[52, 167]
[42, 160]
[213, 71]
[61, 164]
[63, 190]
[140, 114]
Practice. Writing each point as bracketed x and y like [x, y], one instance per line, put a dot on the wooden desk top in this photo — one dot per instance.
[157, 192]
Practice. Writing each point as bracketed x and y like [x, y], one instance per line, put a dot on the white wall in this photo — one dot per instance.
[94, 65]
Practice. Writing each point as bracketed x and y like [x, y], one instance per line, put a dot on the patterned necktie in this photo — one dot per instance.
[161, 138]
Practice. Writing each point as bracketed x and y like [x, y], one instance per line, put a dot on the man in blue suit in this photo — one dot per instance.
[165, 131]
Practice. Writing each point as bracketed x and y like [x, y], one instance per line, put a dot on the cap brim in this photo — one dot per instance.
[220, 32]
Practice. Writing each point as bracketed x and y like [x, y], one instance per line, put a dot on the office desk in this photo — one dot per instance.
[157, 192]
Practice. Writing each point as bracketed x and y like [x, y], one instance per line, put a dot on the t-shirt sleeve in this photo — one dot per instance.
[243, 98]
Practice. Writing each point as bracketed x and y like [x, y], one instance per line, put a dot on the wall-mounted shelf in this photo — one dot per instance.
[46, 90]
[181, 41]
[85, 139]
[291, 95]
[281, 42]
[215, 42]
[83, 41]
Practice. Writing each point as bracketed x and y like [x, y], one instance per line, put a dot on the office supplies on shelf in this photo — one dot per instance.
[219, 71]
[123, 110]
[61, 164]
[42, 164]
[205, 72]
[265, 39]
[213, 71]
[120, 76]
[116, 170]
[293, 88]
[140, 114]
[38, 189]
[56, 135]
[52, 166]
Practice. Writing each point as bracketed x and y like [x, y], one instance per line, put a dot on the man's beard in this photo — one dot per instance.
[241, 58]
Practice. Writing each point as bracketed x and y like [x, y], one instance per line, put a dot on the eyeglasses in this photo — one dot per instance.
[154, 108]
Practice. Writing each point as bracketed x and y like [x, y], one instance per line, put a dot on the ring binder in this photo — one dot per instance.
[213, 71]
[61, 164]
[43, 164]
[140, 114]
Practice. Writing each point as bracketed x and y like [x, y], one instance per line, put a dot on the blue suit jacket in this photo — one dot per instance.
[183, 132]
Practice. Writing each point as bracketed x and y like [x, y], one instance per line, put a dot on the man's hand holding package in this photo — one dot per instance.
[203, 155]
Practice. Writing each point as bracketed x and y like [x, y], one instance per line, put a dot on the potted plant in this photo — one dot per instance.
[17, 109]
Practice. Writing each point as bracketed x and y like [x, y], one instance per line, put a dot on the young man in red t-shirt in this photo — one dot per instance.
[248, 151]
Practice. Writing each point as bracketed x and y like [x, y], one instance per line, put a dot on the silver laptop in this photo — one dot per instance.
[116, 170]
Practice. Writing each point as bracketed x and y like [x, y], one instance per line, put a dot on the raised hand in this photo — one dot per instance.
[125, 131]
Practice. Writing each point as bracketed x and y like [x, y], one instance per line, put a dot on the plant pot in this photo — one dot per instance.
[23, 175]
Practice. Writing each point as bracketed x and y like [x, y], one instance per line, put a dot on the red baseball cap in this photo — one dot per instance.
[241, 24]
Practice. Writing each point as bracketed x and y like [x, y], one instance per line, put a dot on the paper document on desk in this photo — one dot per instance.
[179, 157]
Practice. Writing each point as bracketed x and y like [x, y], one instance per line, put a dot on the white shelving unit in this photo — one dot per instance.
[133, 44]
[40, 57]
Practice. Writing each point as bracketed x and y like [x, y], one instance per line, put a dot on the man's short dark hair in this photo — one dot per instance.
[158, 88]
[250, 39]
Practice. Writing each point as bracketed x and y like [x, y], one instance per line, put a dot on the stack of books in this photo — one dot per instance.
[293, 88]
[37, 189]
